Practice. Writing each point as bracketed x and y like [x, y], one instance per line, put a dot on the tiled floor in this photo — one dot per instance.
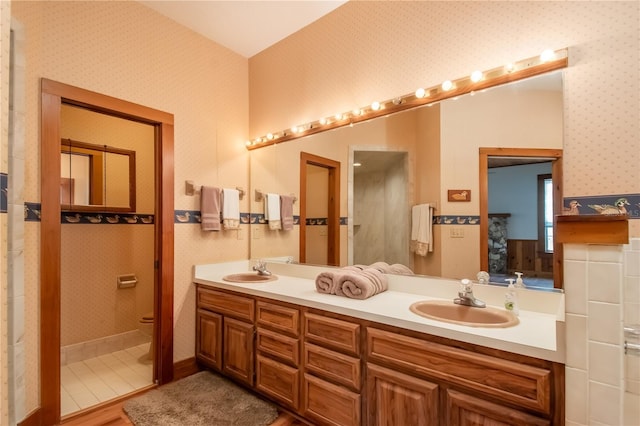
[95, 380]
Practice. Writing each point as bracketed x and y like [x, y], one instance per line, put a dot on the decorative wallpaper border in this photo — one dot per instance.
[106, 218]
[628, 204]
[32, 214]
[4, 185]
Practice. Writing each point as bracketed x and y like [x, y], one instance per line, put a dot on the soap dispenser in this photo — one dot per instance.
[511, 298]
[519, 282]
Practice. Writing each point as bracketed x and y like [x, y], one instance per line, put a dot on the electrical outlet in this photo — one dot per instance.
[324, 231]
[456, 232]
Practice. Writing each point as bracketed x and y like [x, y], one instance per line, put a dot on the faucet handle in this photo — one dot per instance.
[466, 285]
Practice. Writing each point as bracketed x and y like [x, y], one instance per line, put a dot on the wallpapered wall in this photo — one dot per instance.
[125, 50]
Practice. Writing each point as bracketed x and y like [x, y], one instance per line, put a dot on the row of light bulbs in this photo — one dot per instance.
[421, 93]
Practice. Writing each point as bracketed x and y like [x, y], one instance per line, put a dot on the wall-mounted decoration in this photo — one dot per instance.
[458, 195]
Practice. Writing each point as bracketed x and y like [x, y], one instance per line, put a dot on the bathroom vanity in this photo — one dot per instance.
[339, 361]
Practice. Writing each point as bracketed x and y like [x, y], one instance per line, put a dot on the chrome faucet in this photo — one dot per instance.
[261, 268]
[466, 297]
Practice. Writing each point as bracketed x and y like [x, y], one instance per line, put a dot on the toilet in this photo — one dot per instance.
[145, 325]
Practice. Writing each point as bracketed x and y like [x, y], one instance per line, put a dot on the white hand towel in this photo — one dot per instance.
[230, 208]
[421, 224]
[272, 210]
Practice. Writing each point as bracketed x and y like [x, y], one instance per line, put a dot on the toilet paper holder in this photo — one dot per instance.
[127, 281]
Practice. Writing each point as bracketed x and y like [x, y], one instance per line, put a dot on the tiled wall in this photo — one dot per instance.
[602, 284]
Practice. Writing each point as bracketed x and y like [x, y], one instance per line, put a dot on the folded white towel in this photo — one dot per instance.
[230, 208]
[272, 210]
[421, 224]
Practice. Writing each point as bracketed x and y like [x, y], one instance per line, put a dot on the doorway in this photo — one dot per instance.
[53, 96]
[543, 255]
[320, 170]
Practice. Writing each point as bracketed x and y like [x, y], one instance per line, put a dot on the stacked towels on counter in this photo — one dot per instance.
[358, 281]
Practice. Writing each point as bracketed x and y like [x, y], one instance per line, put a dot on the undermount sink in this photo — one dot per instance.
[446, 311]
[249, 277]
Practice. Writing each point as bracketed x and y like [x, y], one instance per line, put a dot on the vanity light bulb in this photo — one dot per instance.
[339, 116]
[375, 106]
[357, 112]
[547, 55]
[323, 121]
[270, 136]
[420, 93]
[248, 143]
[509, 67]
[295, 129]
[476, 76]
[447, 85]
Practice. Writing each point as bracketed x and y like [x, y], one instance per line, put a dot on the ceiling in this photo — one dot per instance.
[246, 27]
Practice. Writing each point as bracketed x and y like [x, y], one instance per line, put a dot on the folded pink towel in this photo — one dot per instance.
[363, 284]
[210, 208]
[396, 268]
[399, 269]
[327, 281]
[286, 212]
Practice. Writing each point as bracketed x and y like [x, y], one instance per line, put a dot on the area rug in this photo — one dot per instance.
[204, 398]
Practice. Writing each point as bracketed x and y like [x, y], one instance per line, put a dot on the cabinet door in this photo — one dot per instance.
[327, 404]
[280, 381]
[463, 410]
[238, 350]
[398, 399]
[209, 339]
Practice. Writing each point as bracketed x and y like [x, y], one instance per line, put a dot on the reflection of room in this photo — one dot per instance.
[104, 345]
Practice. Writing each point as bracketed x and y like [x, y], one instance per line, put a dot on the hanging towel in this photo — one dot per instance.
[210, 208]
[286, 212]
[230, 208]
[421, 224]
[272, 210]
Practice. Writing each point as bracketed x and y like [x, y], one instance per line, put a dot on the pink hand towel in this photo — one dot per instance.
[210, 208]
[286, 212]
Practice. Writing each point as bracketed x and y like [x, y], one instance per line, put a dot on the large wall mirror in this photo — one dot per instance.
[96, 177]
[411, 157]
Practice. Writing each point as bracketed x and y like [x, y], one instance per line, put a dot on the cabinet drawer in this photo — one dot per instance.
[225, 303]
[465, 409]
[328, 404]
[524, 385]
[284, 348]
[279, 381]
[279, 318]
[333, 366]
[332, 333]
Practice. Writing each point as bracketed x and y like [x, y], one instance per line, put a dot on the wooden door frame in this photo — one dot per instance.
[555, 156]
[333, 219]
[53, 95]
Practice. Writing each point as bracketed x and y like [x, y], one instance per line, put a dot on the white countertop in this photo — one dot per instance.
[539, 334]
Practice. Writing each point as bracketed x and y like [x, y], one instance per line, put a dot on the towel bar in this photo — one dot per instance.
[259, 195]
[190, 189]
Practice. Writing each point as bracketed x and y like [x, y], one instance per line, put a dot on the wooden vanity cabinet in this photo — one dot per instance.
[342, 371]
[225, 333]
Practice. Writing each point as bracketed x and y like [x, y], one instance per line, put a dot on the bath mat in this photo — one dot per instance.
[204, 398]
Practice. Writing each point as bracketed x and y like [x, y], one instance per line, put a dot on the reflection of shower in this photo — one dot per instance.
[380, 218]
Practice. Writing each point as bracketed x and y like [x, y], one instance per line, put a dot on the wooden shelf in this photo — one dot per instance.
[592, 229]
